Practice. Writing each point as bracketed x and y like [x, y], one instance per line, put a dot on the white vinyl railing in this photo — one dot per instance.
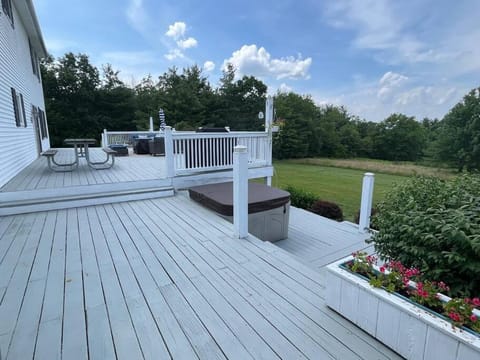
[198, 152]
[124, 137]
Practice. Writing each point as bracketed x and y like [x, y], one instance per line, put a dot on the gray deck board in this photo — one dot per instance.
[318, 241]
[157, 279]
[130, 168]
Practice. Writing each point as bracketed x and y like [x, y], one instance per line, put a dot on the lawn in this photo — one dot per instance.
[340, 185]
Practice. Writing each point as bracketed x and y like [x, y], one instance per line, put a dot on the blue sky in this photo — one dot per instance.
[375, 57]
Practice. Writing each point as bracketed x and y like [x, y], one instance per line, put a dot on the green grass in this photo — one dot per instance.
[340, 185]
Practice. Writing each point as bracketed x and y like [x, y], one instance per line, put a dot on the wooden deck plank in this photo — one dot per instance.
[222, 334]
[123, 333]
[148, 334]
[15, 292]
[26, 330]
[74, 339]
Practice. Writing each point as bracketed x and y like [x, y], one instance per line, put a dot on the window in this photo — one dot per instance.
[39, 117]
[19, 108]
[34, 60]
[43, 124]
[8, 9]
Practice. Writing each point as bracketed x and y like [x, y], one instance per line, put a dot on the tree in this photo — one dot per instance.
[459, 139]
[70, 93]
[399, 138]
[239, 102]
[296, 136]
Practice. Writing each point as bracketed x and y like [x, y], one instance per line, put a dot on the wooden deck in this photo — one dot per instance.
[127, 168]
[156, 279]
[318, 241]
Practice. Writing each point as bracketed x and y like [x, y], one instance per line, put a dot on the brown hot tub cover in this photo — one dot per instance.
[219, 197]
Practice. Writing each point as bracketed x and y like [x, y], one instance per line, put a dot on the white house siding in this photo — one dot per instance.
[18, 147]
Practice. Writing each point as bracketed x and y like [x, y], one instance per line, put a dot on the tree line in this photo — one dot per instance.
[82, 100]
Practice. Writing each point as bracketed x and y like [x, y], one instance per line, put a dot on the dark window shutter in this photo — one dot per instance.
[15, 107]
[23, 111]
[32, 57]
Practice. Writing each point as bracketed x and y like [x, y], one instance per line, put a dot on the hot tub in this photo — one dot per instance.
[268, 208]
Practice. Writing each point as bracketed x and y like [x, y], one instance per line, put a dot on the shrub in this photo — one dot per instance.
[327, 209]
[301, 198]
[434, 225]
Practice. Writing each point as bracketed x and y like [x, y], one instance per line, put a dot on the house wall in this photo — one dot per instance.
[18, 145]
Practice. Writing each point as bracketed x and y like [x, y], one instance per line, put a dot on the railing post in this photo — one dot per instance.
[169, 155]
[268, 129]
[105, 138]
[366, 204]
[240, 191]
[151, 124]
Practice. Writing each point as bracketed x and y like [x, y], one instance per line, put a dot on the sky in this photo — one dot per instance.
[375, 57]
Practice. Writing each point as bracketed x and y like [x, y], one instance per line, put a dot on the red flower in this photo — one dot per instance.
[382, 269]
[454, 316]
[473, 318]
[476, 302]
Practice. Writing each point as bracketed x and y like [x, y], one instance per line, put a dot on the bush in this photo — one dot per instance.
[434, 225]
[301, 198]
[327, 209]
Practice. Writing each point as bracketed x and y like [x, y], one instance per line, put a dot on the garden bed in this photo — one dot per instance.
[412, 331]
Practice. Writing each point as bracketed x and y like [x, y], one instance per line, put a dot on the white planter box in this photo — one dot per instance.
[408, 329]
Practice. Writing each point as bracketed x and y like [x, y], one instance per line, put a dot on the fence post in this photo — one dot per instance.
[169, 155]
[105, 138]
[366, 203]
[240, 191]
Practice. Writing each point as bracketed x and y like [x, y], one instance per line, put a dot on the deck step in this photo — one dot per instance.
[20, 205]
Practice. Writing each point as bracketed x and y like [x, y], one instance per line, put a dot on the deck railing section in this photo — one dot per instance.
[124, 137]
[193, 152]
[198, 152]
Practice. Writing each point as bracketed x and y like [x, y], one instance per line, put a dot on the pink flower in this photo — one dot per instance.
[454, 316]
[476, 302]
[473, 318]
[382, 269]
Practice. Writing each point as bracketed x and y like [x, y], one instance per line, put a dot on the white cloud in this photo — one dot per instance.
[187, 43]
[209, 66]
[250, 60]
[174, 54]
[396, 93]
[176, 30]
[284, 88]
[389, 83]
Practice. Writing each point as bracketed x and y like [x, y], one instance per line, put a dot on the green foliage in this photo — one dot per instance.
[296, 136]
[79, 104]
[327, 209]
[399, 138]
[301, 198]
[434, 225]
[459, 139]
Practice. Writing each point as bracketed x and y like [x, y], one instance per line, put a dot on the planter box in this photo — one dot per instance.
[406, 328]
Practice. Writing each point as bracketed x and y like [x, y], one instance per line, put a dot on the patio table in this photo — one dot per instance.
[81, 147]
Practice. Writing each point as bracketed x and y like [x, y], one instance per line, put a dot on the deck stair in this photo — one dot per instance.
[20, 202]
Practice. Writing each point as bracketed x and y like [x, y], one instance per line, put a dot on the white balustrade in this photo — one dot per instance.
[195, 152]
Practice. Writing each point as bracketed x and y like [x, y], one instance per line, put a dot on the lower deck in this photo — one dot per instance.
[156, 279]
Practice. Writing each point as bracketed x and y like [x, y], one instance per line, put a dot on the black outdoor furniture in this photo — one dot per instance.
[121, 150]
[141, 146]
[156, 146]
